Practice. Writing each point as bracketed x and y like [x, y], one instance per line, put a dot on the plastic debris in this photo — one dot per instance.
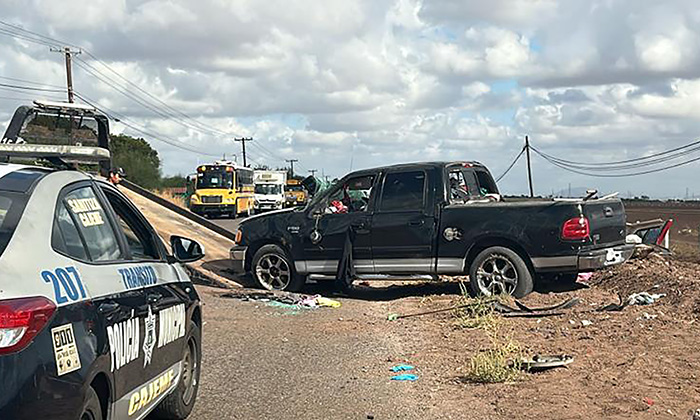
[643, 298]
[405, 377]
[402, 368]
[584, 277]
[538, 362]
[586, 323]
[392, 317]
[322, 301]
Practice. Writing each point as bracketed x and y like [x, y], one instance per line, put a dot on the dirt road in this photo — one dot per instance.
[263, 362]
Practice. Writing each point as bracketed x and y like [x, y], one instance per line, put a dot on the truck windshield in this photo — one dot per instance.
[268, 189]
[215, 179]
[11, 206]
[295, 188]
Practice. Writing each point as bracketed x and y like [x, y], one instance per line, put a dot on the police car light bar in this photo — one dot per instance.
[81, 153]
[64, 106]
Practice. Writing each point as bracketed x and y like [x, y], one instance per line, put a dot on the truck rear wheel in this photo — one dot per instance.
[498, 270]
[274, 270]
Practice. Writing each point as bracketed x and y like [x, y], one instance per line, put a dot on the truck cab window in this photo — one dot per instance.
[352, 196]
[459, 190]
[403, 191]
[486, 184]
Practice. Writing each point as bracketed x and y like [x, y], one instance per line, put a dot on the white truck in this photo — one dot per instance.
[269, 189]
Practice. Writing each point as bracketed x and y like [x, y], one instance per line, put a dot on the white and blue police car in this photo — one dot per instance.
[98, 319]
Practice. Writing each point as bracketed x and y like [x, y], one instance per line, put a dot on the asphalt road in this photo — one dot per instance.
[265, 362]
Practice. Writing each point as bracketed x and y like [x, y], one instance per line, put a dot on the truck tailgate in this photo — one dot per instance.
[607, 221]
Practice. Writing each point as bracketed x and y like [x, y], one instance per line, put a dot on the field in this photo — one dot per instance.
[686, 218]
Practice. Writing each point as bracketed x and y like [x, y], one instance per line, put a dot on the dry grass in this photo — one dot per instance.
[501, 362]
[178, 200]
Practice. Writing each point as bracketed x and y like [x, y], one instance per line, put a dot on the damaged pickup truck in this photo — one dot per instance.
[430, 219]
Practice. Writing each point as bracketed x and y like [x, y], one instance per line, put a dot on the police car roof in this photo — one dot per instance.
[20, 178]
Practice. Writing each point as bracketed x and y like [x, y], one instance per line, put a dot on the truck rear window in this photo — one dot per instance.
[11, 206]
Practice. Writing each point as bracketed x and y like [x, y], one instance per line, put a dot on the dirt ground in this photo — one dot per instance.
[641, 362]
[686, 219]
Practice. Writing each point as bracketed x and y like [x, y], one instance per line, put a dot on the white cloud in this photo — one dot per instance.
[384, 81]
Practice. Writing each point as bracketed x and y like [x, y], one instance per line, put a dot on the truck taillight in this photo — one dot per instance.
[21, 320]
[576, 228]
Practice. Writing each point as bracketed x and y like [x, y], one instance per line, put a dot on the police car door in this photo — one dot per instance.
[85, 233]
[165, 320]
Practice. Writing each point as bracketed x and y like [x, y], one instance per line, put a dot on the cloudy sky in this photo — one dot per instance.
[341, 84]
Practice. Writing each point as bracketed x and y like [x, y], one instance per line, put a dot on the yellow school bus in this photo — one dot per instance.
[223, 188]
[294, 193]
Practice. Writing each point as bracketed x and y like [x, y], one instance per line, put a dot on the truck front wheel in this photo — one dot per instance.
[498, 270]
[274, 270]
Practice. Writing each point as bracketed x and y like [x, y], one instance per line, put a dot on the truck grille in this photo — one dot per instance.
[211, 199]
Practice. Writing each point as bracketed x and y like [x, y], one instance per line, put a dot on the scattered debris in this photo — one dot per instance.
[291, 300]
[538, 362]
[405, 377]
[499, 307]
[584, 277]
[586, 323]
[643, 298]
[402, 368]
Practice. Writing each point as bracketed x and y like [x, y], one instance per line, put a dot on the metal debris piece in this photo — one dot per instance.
[539, 362]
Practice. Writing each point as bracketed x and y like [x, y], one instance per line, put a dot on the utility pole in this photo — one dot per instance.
[68, 53]
[313, 172]
[529, 166]
[291, 163]
[243, 140]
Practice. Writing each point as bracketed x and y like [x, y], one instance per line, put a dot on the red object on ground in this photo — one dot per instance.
[648, 401]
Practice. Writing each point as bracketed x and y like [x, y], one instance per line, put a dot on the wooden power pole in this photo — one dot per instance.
[529, 166]
[68, 53]
[243, 140]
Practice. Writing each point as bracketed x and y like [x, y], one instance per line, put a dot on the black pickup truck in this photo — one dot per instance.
[428, 219]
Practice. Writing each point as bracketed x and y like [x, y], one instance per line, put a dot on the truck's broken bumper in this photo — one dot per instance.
[589, 260]
[601, 258]
[237, 254]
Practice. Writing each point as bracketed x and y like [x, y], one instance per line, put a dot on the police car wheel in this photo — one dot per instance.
[274, 270]
[179, 404]
[91, 407]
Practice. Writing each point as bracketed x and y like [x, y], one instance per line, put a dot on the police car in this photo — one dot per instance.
[98, 320]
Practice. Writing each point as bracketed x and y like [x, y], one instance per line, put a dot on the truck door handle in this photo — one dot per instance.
[417, 223]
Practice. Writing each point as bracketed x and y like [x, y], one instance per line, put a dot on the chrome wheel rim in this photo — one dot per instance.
[497, 275]
[189, 371]
[273, 272]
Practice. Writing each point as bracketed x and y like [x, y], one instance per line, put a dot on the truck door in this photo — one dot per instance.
[348, 207]
[403, 226]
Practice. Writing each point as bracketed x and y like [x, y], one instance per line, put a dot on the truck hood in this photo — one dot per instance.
[269, 214]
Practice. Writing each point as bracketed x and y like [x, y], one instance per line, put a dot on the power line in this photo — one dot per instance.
[14, 79]
[666, 156]
[650, 171]
[120, 118]
[35, 89]
[511, 165]
[162, 109]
